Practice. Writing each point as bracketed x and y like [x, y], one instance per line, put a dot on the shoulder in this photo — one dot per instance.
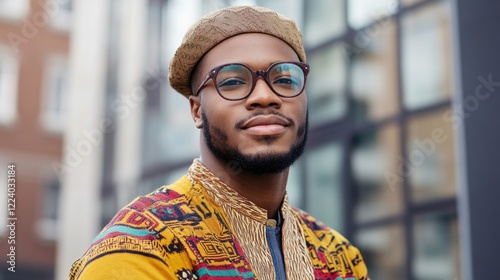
[177, 192]
[319, 229]
[147, 216]
[328, 245]
[145, 228]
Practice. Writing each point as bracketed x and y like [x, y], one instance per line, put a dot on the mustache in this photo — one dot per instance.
[240, 123]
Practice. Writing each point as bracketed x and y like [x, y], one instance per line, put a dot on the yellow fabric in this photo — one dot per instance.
[181, 231]
[126, 266]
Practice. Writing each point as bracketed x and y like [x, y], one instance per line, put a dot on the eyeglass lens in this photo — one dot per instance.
[235, 81]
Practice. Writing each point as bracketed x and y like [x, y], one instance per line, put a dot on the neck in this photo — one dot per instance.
[264, 190]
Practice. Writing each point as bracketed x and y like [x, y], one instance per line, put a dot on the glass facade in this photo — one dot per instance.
[384, 251]
[326, 85]
[324, 185]
[426, 56]
[373, 75]
[380, 163]
[374, 153]
[436, 246]
[324, 19]
[431, 155]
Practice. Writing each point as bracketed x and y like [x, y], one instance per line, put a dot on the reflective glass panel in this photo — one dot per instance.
[324, 185]
[410, 2]
[430, 149]
[170, 134]
[289, 8]
[361, 12]
[426, 50]
[293, 186]
[437, 249]
[324, 20]
[326, 85]
[180, 136]
[374, 78]
[383, 251]
[374, 162]
[169, 131]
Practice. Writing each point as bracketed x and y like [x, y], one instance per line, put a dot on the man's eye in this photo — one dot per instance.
[286, 81]
[231, 83]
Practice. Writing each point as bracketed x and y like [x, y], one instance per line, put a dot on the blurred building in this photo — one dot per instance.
[401, 159]
[34, 44]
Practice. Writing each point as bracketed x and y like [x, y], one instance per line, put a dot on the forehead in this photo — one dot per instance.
[254, 49]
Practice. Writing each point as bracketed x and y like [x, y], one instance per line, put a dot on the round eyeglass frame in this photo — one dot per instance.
[212, 74]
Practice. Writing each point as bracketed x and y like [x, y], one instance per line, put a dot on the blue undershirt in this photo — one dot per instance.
[274, 242]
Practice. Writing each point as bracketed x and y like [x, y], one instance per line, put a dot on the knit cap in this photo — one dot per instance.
[220, 25]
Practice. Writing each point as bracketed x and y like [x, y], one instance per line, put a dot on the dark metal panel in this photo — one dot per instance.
[478, 114]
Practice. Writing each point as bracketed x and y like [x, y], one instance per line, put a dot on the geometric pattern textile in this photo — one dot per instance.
[200, 228]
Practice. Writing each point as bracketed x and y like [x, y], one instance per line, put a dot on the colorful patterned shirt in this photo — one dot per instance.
[200, 228]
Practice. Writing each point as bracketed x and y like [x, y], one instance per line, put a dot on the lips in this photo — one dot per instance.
[265, 125]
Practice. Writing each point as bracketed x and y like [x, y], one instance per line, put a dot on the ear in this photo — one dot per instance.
[195, 104]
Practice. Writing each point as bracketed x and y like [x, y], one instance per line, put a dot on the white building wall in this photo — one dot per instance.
[132, 74]
[81, 168]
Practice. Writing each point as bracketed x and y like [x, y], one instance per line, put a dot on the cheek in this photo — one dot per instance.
[219, 116]
[299, 111]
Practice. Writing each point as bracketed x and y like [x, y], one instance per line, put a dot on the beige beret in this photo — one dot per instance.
[222, 24]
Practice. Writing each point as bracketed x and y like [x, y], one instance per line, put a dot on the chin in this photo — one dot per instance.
[264, 152]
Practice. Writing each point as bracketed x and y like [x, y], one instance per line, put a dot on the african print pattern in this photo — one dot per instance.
[199, 228]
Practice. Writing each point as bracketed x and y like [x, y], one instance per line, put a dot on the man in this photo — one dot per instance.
[243, 70]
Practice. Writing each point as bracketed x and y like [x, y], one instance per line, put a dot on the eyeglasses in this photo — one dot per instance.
[236, 81]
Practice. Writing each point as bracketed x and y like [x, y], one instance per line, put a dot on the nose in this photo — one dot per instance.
[262, 96]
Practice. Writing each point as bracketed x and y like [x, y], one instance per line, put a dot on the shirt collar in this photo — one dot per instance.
[223, 194]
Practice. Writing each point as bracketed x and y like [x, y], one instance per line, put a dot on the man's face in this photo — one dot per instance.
[263, 133]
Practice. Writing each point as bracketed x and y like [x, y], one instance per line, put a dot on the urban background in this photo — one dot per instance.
[403, 104]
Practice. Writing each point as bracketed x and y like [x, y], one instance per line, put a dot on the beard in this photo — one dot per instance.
[217, 141]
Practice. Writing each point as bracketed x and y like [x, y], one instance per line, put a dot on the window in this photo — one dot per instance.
[382, 85]
[383, 251]
[324, 200]
[431, 156]
[14, 9]
[426, 56]
[362, 13]
[326, 85]
[46, 226]
[55, 94]
[373, 69]
[324, 19]
[289, 8]
[9, 68]
[437, 247]
[293, 186]
[374, 159]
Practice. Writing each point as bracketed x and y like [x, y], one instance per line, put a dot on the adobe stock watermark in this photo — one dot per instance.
[424, 149]
[92, 138]
[31, 26]
[365, 36]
